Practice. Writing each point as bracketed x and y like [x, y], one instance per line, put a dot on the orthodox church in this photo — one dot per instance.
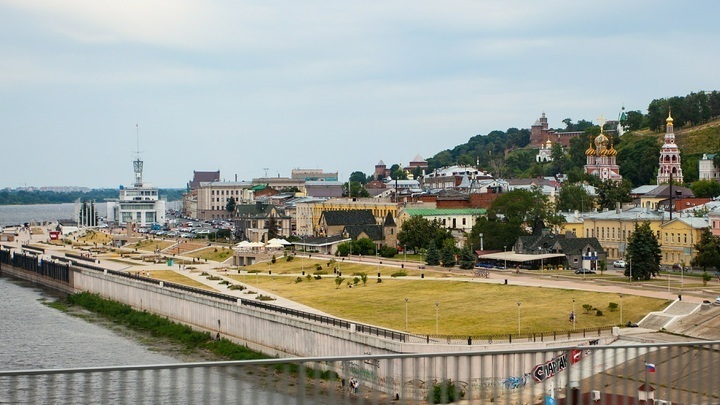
[601, 159]
[669, 156]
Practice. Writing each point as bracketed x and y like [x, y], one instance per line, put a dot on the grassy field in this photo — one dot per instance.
[463, 308]
[218, 254]
[175, 277]
[150, 245]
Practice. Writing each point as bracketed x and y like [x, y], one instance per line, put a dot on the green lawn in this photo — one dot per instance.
[464, 308]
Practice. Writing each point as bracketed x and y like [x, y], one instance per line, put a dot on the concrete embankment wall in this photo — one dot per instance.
[283, 335]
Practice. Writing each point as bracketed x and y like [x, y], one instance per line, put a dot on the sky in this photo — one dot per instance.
[255, 88]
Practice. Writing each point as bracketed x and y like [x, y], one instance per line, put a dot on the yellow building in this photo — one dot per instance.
[613, 228]
[308, 215]
[677, 238]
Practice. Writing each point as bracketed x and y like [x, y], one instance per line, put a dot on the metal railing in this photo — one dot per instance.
[677, 373]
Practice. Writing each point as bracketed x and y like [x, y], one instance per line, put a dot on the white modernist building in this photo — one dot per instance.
[139, 204]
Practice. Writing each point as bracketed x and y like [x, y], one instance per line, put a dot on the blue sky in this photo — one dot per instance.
[240, 86]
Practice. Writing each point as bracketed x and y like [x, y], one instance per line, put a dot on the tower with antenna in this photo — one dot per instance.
[137, 163]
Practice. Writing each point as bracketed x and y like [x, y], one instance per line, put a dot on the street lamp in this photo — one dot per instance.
[437, 318]
[573, 314]
[621, 309]
[518, 304]
[481, 242]
[406, 314]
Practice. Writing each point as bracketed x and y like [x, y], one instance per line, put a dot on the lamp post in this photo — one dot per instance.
[621, 309]
[481, 242]
[406, 314]
[573, 313]
[437, 318]
[518, 304]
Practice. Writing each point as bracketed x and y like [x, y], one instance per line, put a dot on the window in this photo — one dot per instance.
[666, 237]
[685, 235]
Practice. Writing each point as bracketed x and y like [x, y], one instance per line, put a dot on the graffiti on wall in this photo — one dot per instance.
[515, 382]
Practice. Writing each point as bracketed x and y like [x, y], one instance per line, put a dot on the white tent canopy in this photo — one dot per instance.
[278, 241]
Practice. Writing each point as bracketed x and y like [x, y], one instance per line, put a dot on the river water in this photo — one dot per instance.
[20, 214]
[35, 336]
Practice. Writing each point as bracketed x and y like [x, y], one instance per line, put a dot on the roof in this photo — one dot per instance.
[418, 159]
[349, 217]
[558, 244]
[664, 191]
[374, 232]
[693, 222]
[389, 220]
[330, 240]
[200, 177]
[637, 213]
[436, 212]
[326, 183]
[643, 189]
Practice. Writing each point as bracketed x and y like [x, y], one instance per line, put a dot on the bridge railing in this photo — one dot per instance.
[676, 373]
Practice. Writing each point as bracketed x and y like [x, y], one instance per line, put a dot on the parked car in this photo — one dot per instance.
[584, 271]
[619, 263]
[717, 301]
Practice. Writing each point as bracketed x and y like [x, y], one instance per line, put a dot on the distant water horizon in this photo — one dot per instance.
[19, 214]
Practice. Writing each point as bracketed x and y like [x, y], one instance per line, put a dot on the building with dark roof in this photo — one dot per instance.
[579, 252]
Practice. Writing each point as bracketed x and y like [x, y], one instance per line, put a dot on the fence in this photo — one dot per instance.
[675, 373]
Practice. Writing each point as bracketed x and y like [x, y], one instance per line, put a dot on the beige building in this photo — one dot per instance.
[308, 214]
[212, 198]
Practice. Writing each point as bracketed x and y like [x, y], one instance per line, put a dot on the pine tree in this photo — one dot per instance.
[467, 259]
[448, 255]
[433, 255]
[643, 253]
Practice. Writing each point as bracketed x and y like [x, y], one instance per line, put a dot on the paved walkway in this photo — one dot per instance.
[689, 304]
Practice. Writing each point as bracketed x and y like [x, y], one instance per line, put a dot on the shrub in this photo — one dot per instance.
[318, 267]
[599, 313]
[613, 306]
[444, 392]
[298, 279]
[262, 297]
[309, 277]
[587, 308]
[400, 273]
[289, 258]
[273, 260]
[317, 276]
[379, 280]
[356, 280]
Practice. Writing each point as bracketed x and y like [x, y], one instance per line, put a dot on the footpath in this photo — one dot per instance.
[201, 272]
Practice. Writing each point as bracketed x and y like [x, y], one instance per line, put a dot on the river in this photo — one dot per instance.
[20, 214]
[36, 336]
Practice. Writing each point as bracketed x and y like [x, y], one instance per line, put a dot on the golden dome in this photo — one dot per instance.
[612, 151]
[590, 151]
[669, 119]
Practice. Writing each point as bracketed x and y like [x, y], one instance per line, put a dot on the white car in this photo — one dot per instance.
[717, 301]
[619, 263]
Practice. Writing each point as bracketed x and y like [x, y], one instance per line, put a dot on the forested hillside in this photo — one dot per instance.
[697, 128]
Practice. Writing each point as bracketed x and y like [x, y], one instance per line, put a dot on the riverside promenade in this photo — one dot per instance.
[211, 274]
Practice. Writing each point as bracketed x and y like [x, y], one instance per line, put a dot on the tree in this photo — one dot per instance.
[359, 177]
[273, 227]
[416, 233]
[497, 234]
[231, 206]
[610, 192]
[573, 197]
[467, 258]
[643, 253]
[708, 251]
[447, 254]
[526, 206]
[638, 158]
[354, 189]
[433, 255]
[705, 188]
[634, 120]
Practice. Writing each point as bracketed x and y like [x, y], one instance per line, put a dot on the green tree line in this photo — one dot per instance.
[24, 197]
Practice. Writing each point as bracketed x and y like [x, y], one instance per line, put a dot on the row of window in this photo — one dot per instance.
[225, 192]
[611, 234]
